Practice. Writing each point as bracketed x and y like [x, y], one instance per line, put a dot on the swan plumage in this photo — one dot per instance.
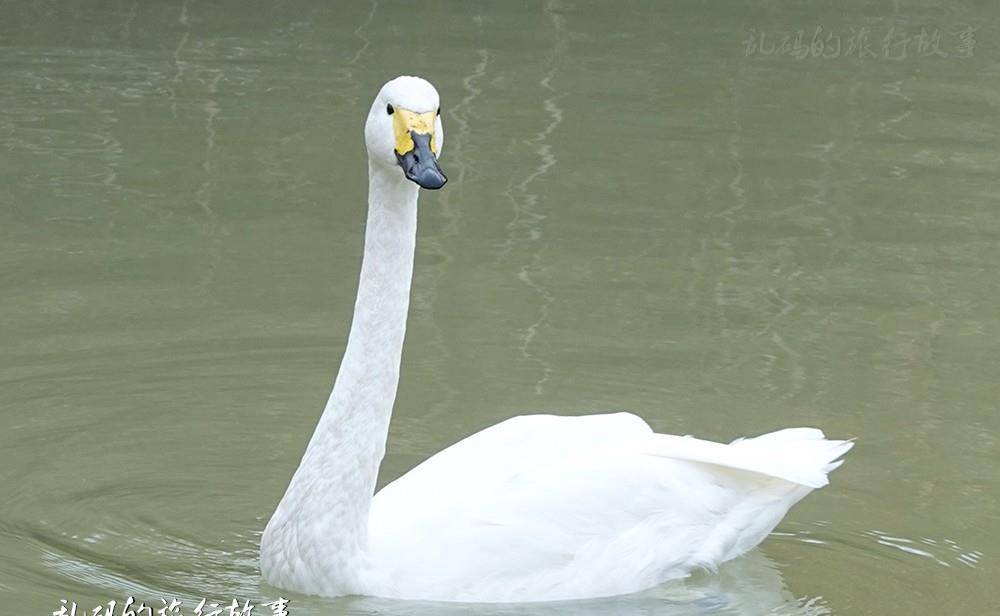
[535, 508]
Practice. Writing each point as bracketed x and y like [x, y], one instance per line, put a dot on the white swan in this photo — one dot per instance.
[535, 508]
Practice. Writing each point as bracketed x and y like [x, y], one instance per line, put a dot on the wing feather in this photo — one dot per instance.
[557, 507]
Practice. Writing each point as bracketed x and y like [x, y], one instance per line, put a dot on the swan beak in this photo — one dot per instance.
[416, 151]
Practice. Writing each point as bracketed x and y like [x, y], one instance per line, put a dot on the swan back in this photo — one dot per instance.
[544, 507]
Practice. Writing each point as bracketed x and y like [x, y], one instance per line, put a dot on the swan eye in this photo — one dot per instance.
[439, 111]
[389, 109]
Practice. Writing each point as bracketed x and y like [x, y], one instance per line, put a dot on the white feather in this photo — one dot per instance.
[542, 507]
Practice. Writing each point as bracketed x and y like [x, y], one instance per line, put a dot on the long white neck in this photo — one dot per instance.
[315, 540]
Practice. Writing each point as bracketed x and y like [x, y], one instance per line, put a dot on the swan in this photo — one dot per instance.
[535, 508]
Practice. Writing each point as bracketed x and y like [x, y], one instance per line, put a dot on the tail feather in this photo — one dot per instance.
[799, 455]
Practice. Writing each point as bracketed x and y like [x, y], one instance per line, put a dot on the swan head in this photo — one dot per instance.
[403, 132]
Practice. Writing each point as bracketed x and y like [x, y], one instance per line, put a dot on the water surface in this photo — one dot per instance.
[659, 207]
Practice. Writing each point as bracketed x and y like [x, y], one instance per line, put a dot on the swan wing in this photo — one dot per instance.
[544, 507]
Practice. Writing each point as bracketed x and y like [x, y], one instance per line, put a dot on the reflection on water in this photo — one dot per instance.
[751, 585]
[643, 214]
[526, 225]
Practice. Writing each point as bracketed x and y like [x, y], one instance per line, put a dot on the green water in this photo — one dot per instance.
[652, 206]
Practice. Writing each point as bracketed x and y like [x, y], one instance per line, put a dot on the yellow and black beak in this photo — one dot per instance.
[416, 151]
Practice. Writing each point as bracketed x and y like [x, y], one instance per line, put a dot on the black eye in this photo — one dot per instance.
[439, 111]
[389, 109]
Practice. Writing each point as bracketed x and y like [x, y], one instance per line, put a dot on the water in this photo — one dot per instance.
[652, 206]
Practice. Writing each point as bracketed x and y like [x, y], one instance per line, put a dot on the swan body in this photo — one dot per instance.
[535, 508]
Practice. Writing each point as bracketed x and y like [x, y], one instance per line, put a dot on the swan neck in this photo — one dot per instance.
[365, 388]
[324, 513]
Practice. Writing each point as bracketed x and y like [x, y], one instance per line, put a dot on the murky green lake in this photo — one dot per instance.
[727, 217]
